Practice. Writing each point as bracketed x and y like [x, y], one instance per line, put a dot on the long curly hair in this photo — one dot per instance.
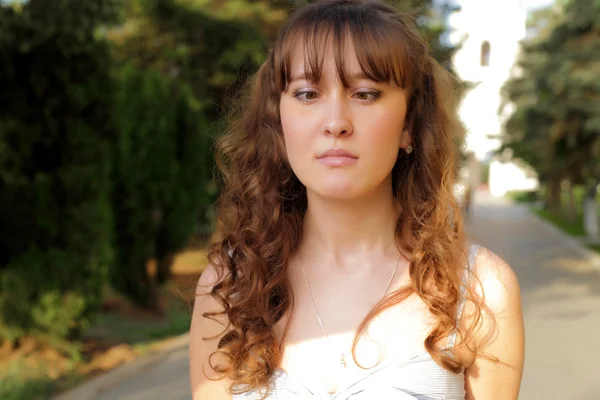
[262, 203]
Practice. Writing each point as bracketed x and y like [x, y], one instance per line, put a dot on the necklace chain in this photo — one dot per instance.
[343, 359]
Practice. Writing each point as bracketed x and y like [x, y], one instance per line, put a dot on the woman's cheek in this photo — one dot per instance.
[297, 151]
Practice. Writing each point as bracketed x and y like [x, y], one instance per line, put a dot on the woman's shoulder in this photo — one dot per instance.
[496, 282]
[498, 335]
[207, 328]
[210, 276]
[499, 331]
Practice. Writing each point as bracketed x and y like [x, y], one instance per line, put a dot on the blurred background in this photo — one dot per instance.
[108, 114]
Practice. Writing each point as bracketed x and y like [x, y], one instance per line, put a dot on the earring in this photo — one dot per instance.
[408, 149]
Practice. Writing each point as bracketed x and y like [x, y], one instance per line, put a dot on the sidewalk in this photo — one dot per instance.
[167, 380]
[160, 376]
[561, 299]
[560, 288]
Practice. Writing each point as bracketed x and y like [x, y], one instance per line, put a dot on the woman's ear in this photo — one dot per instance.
[405, 139]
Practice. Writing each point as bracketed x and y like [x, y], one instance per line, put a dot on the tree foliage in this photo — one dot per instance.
[210, 45]
[160, 180]
[556, 125]
[56, 129]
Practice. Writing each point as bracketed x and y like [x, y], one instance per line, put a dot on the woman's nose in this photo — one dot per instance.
[337, 121]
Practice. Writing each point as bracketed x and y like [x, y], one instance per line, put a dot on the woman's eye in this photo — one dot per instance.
[368, 97]
[306, 96]
[309, 95]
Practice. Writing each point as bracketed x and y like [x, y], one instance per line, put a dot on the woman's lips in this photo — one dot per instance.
[337, 161]
[337, 158]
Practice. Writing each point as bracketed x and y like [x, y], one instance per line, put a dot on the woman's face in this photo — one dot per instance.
[363, 123]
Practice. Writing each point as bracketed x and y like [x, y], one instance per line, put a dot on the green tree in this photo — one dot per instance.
[55, 135]
[176, 61]
[159, 180]
[556, 125]
[209, 45]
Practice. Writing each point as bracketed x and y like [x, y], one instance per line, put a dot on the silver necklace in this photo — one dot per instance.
[343, 355]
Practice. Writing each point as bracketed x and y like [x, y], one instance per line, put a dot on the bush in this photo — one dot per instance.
[55, 133]
[161, 173]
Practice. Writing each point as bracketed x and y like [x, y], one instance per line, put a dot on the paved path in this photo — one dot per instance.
[166, 380]
[561, 300]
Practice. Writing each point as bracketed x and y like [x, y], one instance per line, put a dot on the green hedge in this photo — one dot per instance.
[55, 136]
[105, 164]
[161, 177]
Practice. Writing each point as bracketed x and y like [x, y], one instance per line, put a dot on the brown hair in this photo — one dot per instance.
[262, 204]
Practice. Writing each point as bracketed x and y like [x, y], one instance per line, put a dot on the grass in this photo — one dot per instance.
[595, 247]
[24, 380]
[178, 324]
[522, 196]
[572, 228]
[118, 328]
[17, 385]
[120, 338]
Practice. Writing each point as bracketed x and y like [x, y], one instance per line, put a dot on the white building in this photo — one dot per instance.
[490, 31]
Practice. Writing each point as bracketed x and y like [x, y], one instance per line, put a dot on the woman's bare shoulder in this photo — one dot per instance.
[497, 281]
[499, 338]
[205, 334]
[208, 279]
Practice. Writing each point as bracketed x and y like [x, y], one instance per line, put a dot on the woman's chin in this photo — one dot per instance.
[338, 191]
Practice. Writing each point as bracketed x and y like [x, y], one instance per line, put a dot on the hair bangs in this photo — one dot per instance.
[378, 43]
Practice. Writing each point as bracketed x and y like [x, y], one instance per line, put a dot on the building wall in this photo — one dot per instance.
[502, 24]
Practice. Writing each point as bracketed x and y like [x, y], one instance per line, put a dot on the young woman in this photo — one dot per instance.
[342, 271]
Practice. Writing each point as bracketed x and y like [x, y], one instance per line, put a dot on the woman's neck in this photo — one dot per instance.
[340, 231]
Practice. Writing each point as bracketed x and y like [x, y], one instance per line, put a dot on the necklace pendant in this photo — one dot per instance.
[343, 362]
